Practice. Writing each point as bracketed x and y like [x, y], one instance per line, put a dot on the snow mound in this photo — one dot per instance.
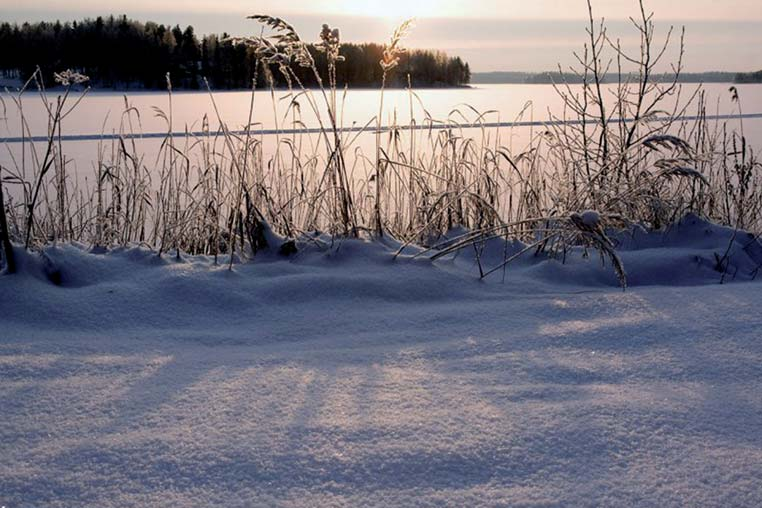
[690, 252]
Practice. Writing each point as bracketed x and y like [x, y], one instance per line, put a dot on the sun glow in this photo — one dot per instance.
[396, 8]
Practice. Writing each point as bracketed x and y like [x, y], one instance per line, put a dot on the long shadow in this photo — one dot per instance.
[160, 387]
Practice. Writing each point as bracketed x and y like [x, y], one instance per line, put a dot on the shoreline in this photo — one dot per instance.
[14, 87]
[473, 86]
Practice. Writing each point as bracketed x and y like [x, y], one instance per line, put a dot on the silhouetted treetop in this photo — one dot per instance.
[119, 52]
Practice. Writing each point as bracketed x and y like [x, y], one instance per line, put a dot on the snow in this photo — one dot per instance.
[343, 378]
[590, 218]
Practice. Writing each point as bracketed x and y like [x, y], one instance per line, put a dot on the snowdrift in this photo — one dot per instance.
[339, 377]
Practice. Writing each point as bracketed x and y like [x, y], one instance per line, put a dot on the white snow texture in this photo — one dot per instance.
[343, 378]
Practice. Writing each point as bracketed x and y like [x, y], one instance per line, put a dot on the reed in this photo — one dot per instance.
[229, 194]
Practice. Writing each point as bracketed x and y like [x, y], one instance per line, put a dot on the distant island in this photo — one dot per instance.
[529, 78]
[749, 77]
[121, 53]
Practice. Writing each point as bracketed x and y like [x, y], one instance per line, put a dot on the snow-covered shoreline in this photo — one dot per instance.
[343, 378]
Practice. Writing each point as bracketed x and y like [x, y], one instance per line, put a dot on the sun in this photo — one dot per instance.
[397, 8]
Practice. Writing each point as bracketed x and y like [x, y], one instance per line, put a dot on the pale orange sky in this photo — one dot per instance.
[507, 9]
[530, 35]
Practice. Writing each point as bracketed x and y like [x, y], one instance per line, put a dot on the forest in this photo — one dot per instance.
[545, 78]
[121, 53]
[749, 77]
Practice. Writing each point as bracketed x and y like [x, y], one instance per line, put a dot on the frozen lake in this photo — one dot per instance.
[103, 112]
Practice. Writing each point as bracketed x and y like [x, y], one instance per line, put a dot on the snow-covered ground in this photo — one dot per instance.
[343, 378]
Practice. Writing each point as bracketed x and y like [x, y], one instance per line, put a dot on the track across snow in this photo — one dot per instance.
[350, 380]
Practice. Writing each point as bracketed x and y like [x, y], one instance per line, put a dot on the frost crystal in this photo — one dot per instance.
[69, 77]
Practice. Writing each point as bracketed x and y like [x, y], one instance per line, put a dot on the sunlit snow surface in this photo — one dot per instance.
[341, 378]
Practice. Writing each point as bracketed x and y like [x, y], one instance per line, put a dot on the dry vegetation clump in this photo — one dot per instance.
[613, 157]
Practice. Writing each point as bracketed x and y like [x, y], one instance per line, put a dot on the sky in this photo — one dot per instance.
[492, 35]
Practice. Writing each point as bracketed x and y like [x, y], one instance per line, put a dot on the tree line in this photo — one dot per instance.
[543, 78]
[749, 77]
[117, 52]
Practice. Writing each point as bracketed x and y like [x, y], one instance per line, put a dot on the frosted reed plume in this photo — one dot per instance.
[227, 194]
